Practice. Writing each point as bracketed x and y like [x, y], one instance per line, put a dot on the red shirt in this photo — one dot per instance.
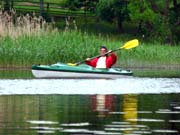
[110, 60]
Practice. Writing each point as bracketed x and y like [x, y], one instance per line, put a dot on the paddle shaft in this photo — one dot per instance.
[78, 63]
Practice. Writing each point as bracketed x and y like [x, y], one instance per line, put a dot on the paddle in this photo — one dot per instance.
[128, 45]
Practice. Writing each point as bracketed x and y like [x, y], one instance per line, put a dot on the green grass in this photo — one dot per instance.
[62, 2]
[53, 11]
[168, 73]
[73, 46]
[46, 48]
[33, 41]
[153, 54]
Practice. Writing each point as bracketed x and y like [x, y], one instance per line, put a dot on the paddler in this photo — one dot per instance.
[105, 60]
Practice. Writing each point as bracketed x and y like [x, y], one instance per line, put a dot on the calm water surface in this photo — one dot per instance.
[131, 106]
[90, 114]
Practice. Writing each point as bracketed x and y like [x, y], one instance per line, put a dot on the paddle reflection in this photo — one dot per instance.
[130, 105]
[130, 111]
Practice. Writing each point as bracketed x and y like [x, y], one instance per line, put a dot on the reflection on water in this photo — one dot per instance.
[15, 74]
[90, 114]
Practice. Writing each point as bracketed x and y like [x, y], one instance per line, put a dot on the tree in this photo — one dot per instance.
[110, 10]
[8, 4]
[41, 5]
[156, 18]
[142, 14]
[87, 5]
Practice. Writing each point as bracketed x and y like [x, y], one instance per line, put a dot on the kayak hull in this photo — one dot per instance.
[61, 74]
[61, 70]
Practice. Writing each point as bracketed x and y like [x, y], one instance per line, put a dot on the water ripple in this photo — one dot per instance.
[80, 86]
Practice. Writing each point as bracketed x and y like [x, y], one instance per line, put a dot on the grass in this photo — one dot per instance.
[73, 46]
[55, 9]
[153, 54]
[51, 11]
[61, 2]
[29, 40]
[46, 48]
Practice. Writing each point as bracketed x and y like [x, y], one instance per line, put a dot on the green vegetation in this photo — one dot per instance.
[45, 1]
[51, 11]
[157, 20]
[73, 46]
[30, 40]
[27, 40]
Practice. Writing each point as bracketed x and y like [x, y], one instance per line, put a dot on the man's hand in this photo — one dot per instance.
[88, 59]
[110, 51]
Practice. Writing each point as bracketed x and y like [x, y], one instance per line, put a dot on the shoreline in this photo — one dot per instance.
[152, 72]
[142, 67]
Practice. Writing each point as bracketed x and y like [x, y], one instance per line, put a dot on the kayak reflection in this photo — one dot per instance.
[102, 104]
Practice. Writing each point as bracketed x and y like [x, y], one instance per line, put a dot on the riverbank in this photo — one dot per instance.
[25, 73]
[33, 41]
[146, 60]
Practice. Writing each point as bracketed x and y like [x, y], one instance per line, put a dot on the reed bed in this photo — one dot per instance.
[74, 46]
[14, 26]
[28, 40]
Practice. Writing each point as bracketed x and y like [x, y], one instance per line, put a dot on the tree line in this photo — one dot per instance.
[160, 19]
[156, 19]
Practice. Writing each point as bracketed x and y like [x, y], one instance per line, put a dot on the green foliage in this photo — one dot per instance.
[62, 2]
[88, 5]
[141, 11]
[108, 10]
[105, 10]
[155, 18]
[113, 9]
[73, 46]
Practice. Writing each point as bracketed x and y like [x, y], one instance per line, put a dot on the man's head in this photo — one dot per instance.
[103, 50]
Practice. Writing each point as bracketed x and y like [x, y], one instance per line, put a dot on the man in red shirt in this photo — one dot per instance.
[105, 61]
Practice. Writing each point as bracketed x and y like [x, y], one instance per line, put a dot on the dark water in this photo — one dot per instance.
[15, 74]
[29, 106]
[128, 114]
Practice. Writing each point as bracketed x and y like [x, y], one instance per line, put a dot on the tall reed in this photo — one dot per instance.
[25, 25]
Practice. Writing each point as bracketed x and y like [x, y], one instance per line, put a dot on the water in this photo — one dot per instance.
[90, 114]
[130, 106]
[89, 86]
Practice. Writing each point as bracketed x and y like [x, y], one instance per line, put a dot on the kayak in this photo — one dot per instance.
[62, 70]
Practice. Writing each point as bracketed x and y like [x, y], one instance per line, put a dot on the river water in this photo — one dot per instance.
[125, 106]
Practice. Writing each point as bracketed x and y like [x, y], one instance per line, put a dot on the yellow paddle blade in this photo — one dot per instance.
[130, 44]
[72, 64]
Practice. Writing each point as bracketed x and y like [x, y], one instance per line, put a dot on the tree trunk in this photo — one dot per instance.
[41, 4]
[175, 8]
[175, 5]
[166, 8]
[119, 25]
[6, 5]
[169, 39]
[12, 4]
[154, 6]
[47, 8]
[140, 26]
